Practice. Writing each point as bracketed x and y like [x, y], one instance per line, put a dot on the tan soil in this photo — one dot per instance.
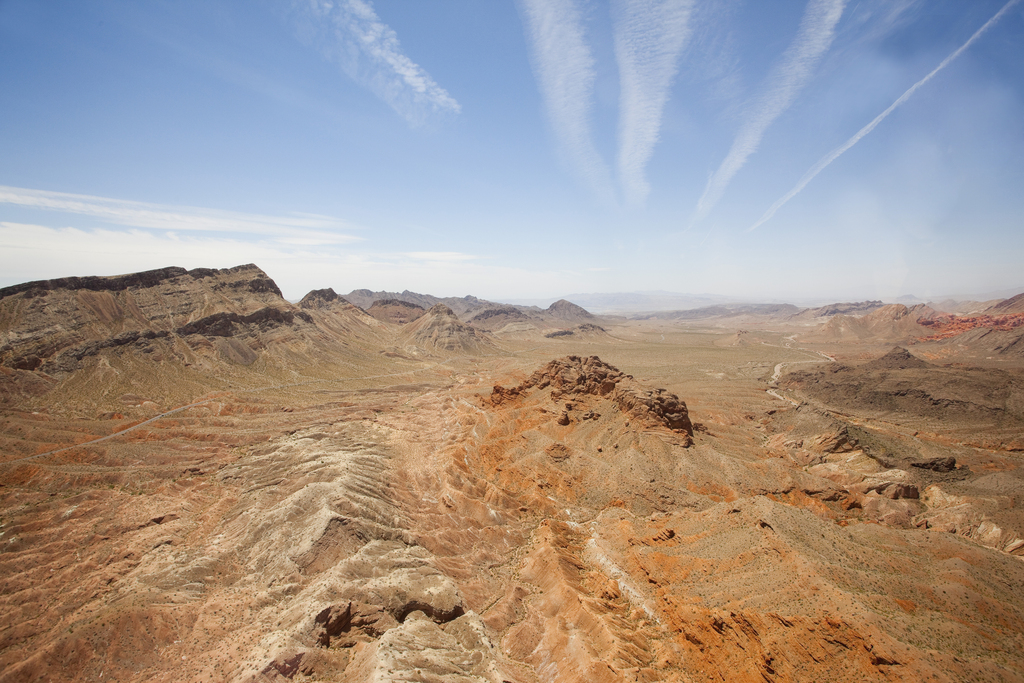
[342, 508]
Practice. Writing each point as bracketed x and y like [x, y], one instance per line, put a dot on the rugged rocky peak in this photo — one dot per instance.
[249, 276]
[566, 310]
[440, 330]
[897, 359]
[440, 310]
[657, 406]
[320, 298]
[575, 376]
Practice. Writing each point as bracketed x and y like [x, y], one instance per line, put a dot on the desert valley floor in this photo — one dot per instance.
[200, 481]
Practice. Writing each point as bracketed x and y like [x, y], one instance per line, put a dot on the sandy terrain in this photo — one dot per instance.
[471, 511]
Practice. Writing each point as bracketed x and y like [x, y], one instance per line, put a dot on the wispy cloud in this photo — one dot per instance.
[32, 252]
[838, 151]
[298, 229]
[440, 256]
[350, 34]
[873, 20]
[787, 78]
[564, 68]
[649, 36]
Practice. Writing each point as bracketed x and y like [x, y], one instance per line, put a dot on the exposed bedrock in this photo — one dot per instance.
[574, 376]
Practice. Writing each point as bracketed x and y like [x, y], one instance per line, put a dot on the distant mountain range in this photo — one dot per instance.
[646, 305]
[628, 303]
[633, 302]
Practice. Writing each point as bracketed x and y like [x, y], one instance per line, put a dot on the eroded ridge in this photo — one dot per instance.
[570, 528]
[575, 376]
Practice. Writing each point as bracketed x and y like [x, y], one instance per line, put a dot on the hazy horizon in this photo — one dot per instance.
[826, 150]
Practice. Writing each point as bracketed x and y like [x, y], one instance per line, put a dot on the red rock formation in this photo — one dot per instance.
[575, 376]
[947, 326]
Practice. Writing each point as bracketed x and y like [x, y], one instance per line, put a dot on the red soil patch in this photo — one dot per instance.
[947, 326]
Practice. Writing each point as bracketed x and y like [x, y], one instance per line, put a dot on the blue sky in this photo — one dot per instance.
[520, 150]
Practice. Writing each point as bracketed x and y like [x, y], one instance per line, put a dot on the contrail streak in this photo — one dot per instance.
[838, 151]
[788, 77]
[649, 37]
[350, 34]
[564, 67]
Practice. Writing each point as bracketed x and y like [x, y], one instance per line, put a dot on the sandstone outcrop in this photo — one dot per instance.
[574, 376]
[971, 516]
[941, 464]
[946, 327]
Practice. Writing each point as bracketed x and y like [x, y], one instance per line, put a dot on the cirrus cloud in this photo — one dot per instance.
[350, 34]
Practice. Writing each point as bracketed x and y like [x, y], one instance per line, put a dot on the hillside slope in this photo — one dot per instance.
[168, 335]
[439, 330]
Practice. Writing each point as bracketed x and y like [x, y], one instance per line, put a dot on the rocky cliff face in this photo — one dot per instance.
[53, 325]
[577, 377]
[171, 332]
[342, 323]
